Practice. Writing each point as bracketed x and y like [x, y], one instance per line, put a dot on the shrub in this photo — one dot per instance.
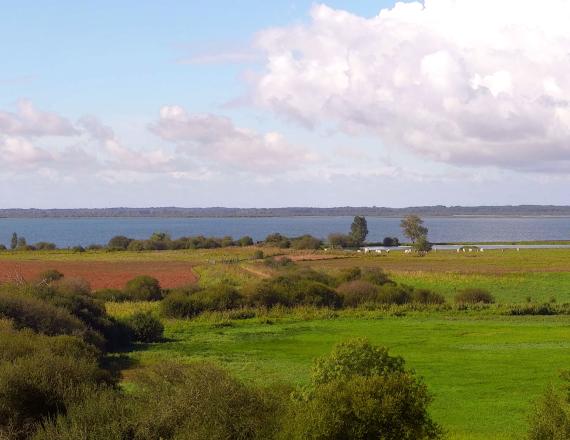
[145, 327]
[350, 274]
[306, 242]
[354, 293]
[114, 295]
[144, 288]
[354, 357]
[474, 296]
[136, 245]
[39, 383]
[33, 313]
[104, 413]
[78, 249]
[425, 296]
[277, 240]
[391, 407]
[45, 246]
[258, 255]
[375, 275]
[220, 297]
[391, 242]
[201, 401]
[394, 294]
[3, 247]
[51, 275]
[278, 263]
[119, 243]
[73, 286]
[246, 241]
[550, 418]
[359, 391]
[340, 240]
[312, 293]
[179, 304]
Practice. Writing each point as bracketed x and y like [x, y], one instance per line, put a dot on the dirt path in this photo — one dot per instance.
[103, 274]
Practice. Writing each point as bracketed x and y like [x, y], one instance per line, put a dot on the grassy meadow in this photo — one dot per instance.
[483, 368]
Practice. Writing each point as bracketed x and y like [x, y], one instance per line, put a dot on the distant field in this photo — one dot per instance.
[483, 371]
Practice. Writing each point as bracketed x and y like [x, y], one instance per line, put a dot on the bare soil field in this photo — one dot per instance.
[102, 274]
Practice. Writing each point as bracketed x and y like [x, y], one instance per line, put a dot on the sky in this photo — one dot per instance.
[284, 103]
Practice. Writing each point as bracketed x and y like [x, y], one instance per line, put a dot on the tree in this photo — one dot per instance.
[359, 230]
[422, 245]
[119, 243]
[337, 240]
[14, 242]
[413, 228]
[359, 391]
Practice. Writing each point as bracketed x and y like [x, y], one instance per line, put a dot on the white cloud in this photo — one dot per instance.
[16, 151]
[216, 140]
[459, 81]
[28, 121]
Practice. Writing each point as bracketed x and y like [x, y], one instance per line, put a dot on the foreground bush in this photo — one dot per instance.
[360, 392]
[39, 375]
[550, 418]
[474, 296]
[145, 327]
[144, 288]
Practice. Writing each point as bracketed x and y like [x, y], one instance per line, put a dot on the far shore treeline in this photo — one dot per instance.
[172, 212]
[159, 241]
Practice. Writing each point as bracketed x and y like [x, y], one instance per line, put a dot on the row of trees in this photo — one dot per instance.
[412, 227]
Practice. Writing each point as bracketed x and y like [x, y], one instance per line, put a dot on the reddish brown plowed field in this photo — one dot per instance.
[103, 274]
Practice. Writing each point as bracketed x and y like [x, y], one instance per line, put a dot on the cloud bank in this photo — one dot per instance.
[458, 81]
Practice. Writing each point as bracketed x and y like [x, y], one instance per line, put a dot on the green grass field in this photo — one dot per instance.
[483, 369]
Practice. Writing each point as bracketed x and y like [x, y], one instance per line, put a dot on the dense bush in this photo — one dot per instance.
[28, 312]
[115, 295]
[550, 417]
[306, 242]
[143, 288]
[340, 241]
[359, 391]
[357, 292]
[391, 242]
[119, 243]
[425, 296]
[45, 246]
[201, 402]
[258, 255]
[375, 275]
[50, 275]
[474, 296]
[145, 327]
[245, 241]
[277, 240]
[394, 294]
[39, 375]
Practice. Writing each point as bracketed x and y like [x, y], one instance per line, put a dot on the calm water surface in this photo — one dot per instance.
[84, 231]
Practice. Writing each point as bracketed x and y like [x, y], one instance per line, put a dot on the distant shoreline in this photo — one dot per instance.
[522, 211]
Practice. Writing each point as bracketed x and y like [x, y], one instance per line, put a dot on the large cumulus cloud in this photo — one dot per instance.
[460, 81]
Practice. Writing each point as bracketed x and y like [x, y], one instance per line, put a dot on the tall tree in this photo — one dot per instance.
[14, 242]
[413, 228]
[359, 230]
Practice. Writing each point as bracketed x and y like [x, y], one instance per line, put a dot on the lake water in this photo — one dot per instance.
[84, 231]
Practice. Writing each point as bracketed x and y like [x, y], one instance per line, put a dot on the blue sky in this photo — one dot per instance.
[282, 103]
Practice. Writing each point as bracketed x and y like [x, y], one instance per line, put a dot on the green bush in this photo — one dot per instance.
[425, 296]
[354, 357]
[394, 294]
[550, 418]
[39, 377]
[354, 293]
[145, 327]
[391, 407]
[359, 391]
[245, 241]
[33, 313]
[375, 275]
[179, 304]
[119, 243]
[114, 295]
[474, 296]
[306, 242]
[258, 255]
[45, 246]
[51, 275]
[219, 297]
[144, 288]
